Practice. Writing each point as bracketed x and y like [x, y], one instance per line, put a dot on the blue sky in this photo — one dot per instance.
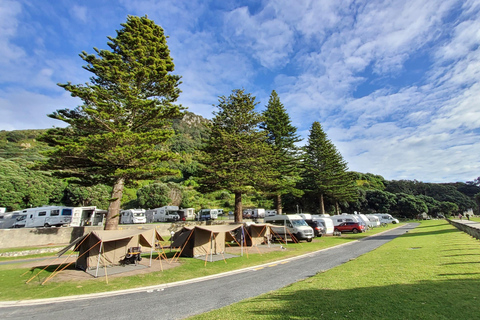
[395, 84]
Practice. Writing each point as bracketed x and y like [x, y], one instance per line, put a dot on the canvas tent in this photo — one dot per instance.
[102, 248]
[256, 234]
[203, 240]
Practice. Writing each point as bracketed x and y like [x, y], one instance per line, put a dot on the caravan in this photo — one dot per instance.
[290, 224]
[87, 216]
[326, 222]
[132, 216]
[386, 218]
[254, 213]
[207, 214]
[47, 216]
[186, 214]
[338, 219]
[164, 214]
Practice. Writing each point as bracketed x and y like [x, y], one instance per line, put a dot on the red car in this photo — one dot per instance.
[350, 227]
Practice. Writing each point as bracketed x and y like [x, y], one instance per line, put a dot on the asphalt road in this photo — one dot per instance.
[180, 301]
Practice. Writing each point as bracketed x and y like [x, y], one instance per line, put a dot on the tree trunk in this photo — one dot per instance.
[337, 207]
[322, 207]
[114, 207]
[278, 201]
[238, 207]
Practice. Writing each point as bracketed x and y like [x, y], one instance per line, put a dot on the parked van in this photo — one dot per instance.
[164, 214]
[47, 216]
[317, 226]
[386, 218]
[327, 224]
[290, 224]
[207, 214]
[374, 221]
[133, 216]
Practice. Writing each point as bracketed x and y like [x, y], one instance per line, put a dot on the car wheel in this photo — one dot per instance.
[309, 240]
[46, 225]
[355, 230]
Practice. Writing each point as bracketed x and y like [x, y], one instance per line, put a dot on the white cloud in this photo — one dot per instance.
[79, 12]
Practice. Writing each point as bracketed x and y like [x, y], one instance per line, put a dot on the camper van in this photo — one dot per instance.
[87, 216]
[291, 224]
[269, 213]
[373, 220]
[340, 218]
[254, 213]
[207, 214]
[52, 216]
[164, 214]
[386, 218]
[327, 224]
[133, 216]
[317, 226]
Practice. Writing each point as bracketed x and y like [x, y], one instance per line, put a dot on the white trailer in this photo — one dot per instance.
[207, 214]
[47, 216]
[164, 214]
[269, 213]
[340, 218]
[132, 216]
[254, 213]
[327, 223]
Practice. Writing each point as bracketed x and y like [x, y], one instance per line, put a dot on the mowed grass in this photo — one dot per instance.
[13, 277]
[432, 272]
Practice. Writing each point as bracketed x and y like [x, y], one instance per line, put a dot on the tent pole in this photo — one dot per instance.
[98, 259]
[153, 245]
[241, 241]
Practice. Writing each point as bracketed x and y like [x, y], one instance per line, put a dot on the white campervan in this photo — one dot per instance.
[386, 218]
[87, 216]
[340, 218]
[270, 213]
[47, 216]
[133, 216]
[187, 214]
[374, 221]
[327, 223]
[164, 214]
[290, 224]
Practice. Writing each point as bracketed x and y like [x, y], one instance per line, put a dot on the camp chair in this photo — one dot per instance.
[132, 256]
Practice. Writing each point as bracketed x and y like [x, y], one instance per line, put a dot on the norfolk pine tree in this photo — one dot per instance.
[235, 157]
[325, 170]
[117, 135]
[281, 135]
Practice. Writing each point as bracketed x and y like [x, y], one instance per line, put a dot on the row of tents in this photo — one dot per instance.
[108, 248]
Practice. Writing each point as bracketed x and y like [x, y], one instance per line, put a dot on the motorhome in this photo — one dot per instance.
[327, 223]
[186, 214]
[340, 218]
[386, 218]
[47, 216]
[373, 220]
[164, 214]
[207, 214]
[254, 213]
[87, 216]
[290, 224]
[132, 216]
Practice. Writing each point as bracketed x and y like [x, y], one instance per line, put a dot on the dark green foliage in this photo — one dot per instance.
[82, 196]
[22, 144]
[236, 157]
[116, 135]
[153, 195]
[326, 171]
[22, 188]
[409, 206]
[285, 162]
[380, 201]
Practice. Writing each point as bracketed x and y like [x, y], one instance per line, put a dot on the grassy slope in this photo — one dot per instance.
[430, 273]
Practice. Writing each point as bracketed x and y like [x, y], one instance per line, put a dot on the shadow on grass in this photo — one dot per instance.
[426, 300]
[426, 233]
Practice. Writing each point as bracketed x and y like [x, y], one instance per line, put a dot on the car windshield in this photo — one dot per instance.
[299, 223]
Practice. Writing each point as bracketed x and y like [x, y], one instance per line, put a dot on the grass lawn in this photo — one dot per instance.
[433, 272]
[13, 276]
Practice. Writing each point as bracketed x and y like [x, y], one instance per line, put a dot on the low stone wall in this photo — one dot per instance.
[38, 237]
[470, 227]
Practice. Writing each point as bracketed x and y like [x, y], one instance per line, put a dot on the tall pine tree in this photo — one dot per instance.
[116, 136]
[282, 136]
[236, 157]
[326, 171]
